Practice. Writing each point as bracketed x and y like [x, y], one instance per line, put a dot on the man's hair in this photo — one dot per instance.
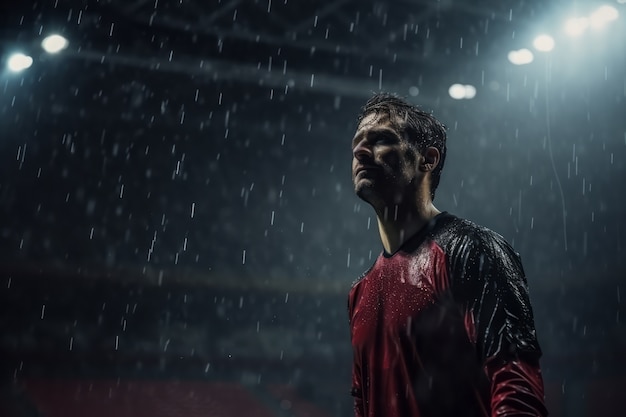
[422, 128]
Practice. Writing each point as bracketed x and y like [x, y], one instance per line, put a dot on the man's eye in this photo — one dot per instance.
[383, 140]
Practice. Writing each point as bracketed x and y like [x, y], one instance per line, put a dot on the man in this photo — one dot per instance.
[441, 324]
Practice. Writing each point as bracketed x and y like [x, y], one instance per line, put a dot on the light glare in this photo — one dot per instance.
[19, 62]
[460, 91]
[544, 43]
[54, 43]
[457, 91]
[470, 91]
[602, 16]
[521, 57]
[576, 26]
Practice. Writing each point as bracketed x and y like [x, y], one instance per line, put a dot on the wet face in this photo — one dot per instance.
[385, 168]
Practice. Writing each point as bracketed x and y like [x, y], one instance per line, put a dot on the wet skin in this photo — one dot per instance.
[384, 165]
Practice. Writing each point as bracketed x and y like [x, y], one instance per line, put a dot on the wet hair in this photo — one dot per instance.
[422, 128]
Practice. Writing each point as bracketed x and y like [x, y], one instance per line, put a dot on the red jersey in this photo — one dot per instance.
[444, 327]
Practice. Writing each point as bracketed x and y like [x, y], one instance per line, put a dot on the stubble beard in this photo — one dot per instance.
[376, 195]
[383, 196]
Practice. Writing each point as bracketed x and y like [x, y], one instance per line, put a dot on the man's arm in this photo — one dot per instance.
[500, 322]
[516, 388]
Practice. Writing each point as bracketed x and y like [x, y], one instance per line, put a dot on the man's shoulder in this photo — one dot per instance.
[458, 231]
[460, 224]
[364, 274]
[361, 277]
[477, 255]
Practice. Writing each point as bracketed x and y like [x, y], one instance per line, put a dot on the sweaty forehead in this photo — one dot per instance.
[378, 120]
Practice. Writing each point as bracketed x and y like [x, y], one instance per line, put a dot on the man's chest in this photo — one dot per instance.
[395, 293]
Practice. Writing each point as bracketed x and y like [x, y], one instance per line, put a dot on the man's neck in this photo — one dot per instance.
[399, 223]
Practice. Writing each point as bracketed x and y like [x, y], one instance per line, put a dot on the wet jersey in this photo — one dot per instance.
[444, 327]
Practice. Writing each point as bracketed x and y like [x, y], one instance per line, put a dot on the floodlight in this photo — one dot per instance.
[576, 26]
[54, 43]
[602, 16]
[544, 43]
[470, 91]
[460, 91]
[19, 62]
[457, 91]
[521, 57]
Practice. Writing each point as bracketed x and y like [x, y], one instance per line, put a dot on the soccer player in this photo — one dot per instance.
[441, 324]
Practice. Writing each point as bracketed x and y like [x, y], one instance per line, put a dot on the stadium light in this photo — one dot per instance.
[521, 57]
[576, 26]
[54, 43]
[457, 91]
[460, 91]
[470, 91]
[544, 43]
[19, 62]
[602, 16]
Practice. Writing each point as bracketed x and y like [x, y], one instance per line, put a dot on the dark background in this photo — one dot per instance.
[176, 203]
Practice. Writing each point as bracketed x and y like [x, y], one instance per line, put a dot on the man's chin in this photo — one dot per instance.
[366, 192]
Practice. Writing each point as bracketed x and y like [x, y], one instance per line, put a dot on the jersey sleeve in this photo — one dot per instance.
[490, 285]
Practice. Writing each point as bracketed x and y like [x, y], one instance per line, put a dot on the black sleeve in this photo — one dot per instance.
[488, 281]
[491, 287]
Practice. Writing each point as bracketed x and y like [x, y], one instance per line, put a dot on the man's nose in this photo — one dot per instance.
[361, 151]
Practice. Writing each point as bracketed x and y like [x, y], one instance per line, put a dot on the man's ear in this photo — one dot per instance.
[430, 159]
